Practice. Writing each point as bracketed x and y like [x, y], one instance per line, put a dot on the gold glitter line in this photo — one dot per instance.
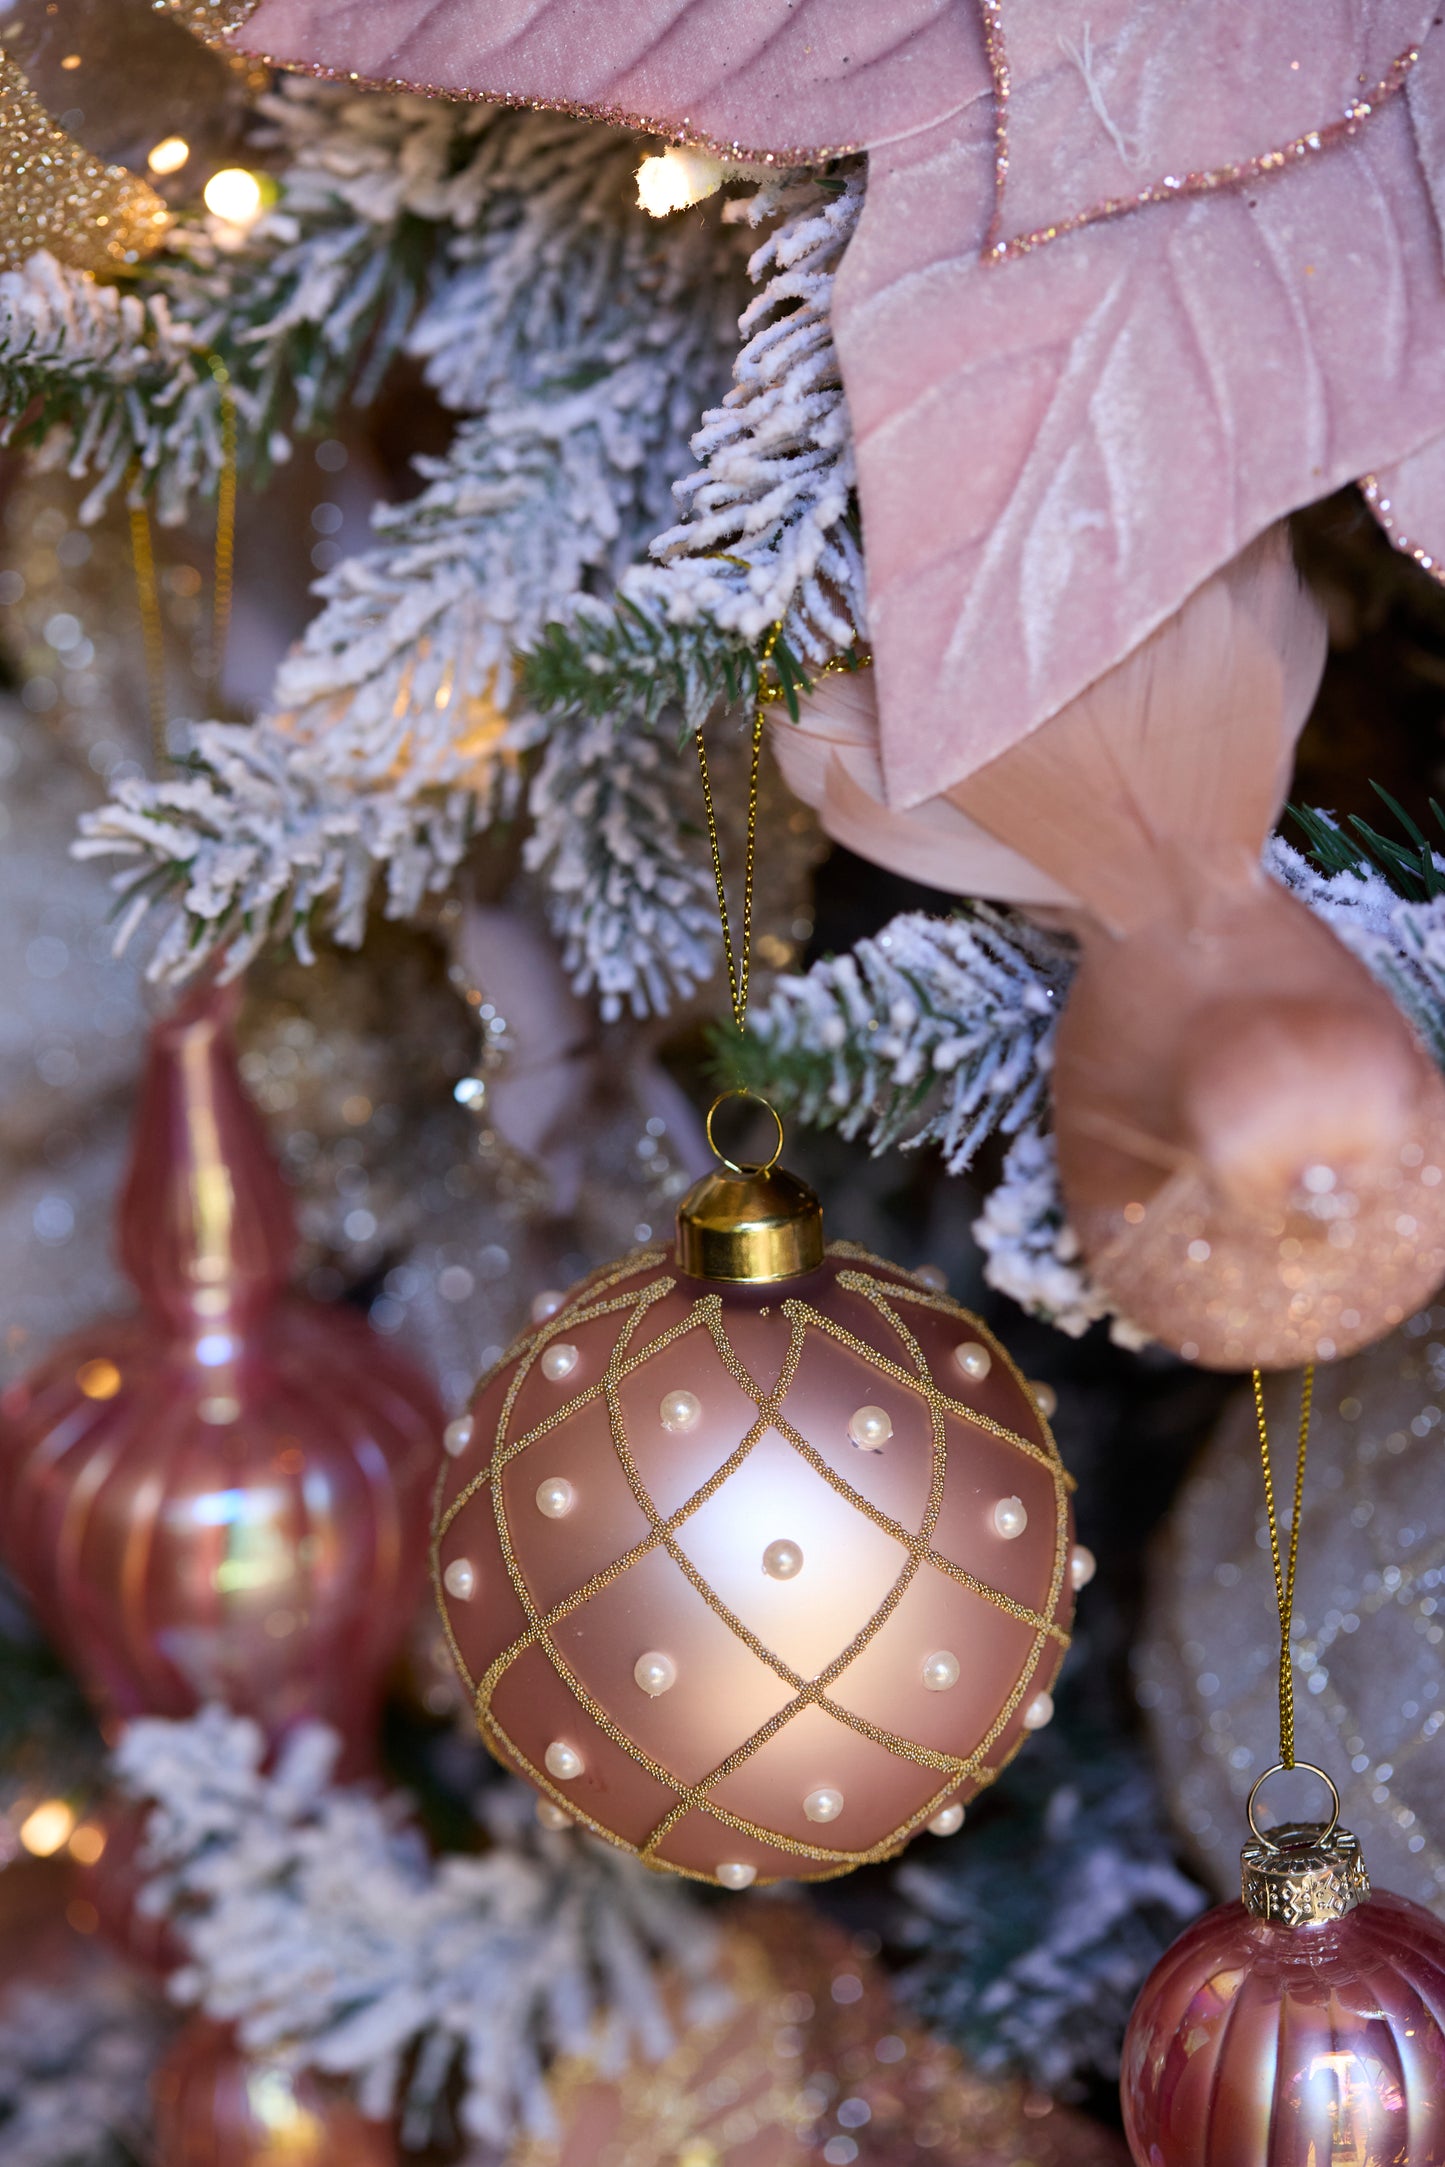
[1174, 186]
[214, 28]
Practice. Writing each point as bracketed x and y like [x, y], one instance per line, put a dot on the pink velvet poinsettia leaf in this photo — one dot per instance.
[1055, 448]
[1064, 446]
[792, 78]
[1113, 98]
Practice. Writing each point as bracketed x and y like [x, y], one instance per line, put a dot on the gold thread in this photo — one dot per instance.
[152, 631]
[1284, 1573]
[607, 1296]
[225, 572]
[739, 964]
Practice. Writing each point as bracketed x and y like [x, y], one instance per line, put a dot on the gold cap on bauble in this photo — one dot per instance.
[1303, 1873]
[749, 1225]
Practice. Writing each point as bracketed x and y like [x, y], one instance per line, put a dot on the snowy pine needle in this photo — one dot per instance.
[582, 335]
[768, 537]
[313, 1918]
[936, 1030]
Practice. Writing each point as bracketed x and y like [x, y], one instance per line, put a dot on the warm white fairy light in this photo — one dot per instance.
[677, 178]
[234, 196]
[169, 155]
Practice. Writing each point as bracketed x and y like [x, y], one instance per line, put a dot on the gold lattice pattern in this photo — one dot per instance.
[632, 1349]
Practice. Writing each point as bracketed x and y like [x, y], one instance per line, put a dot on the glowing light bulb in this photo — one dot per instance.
[676, 179]
[234, 195]
[169, 155]
[46, 1829]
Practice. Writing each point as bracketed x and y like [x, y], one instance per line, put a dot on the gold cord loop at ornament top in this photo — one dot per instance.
[147, 584]
[1284, 1573]
[743, 1166]
[1264, 1835]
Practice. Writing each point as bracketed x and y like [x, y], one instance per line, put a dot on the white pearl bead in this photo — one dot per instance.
[552, 1816]
[559, 1361]
[555, 1497]
[823, 1805]
[974, 1360]
[564, 1762]
[655, 1673]
[737, 1877]
[870, 1427]
[545, 1306]
[1044, 1397]
[458, 1435]
[680, 1411]
[932, 1276]
[1082, 1565]
[1039, 1711]
[941, 1671]
[948, 1822]
[460, 1579]
[782, 1560]
[1010, 1517]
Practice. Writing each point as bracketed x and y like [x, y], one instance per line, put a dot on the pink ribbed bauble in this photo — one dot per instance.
[223, 1497]
[217, 2106]
[756, 1580]
[1260, 2045]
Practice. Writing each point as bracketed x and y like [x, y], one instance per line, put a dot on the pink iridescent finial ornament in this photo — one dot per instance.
[225, 1496]
[1300, 2027]
[217, 2106]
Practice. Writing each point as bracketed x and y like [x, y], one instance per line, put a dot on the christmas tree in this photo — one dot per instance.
[511, 552]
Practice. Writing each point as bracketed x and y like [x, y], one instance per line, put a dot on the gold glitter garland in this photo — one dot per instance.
[54, 195]
[209, 20]
[596, 1299]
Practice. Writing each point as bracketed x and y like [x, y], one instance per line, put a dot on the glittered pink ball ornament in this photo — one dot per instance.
[758, 1560]
[223, 1497]
[1301, 2027]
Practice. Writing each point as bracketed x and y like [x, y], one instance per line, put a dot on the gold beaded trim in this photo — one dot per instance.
[632, 1307]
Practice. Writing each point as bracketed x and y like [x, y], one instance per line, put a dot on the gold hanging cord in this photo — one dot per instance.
[147, 585]
[1285, 1602]
[739, 959]
[1284, 1572]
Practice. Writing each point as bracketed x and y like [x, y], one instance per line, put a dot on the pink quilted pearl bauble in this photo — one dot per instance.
[223, 1497]
[1257, 2043]
[724, 1565]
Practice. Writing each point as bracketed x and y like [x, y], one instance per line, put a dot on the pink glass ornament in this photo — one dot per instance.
[1260, 2045]
[225, 1496]
[217, 2106]
[670, 1467]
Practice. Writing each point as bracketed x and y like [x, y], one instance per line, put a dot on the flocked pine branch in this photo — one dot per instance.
[585, 332]
[936, 1030]
[1036, 1931]
[1400, 938]
[77, 2053]
[307, 310]
[768, 538]
[614, 828]
[314, 1919]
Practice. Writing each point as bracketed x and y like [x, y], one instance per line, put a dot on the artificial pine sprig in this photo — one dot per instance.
[936, 1030]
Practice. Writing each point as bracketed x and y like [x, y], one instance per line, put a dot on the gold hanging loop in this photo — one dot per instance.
[735, 1166]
